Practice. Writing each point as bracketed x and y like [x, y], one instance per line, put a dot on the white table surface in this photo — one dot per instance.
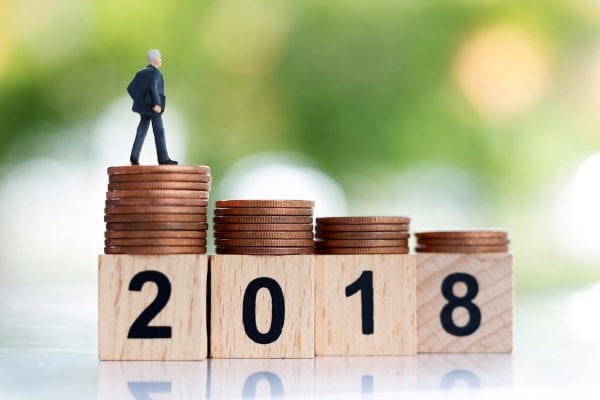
[48, 350]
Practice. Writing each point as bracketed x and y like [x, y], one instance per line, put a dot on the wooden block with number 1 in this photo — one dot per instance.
[152, 307]
[365, 304]
[465, 302]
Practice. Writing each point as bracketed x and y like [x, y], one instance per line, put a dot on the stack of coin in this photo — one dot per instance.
[269, 227]
[156, 209]
[467, 241]
[362, 235]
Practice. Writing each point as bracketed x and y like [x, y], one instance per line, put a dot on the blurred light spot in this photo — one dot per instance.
[582, 210]
[51, 206]
[282, 176]
[583, 308]
[50, 29]
[245, 38]
[437, 197]
[502, 70]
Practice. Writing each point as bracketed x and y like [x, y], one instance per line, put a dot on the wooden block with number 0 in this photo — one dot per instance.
[465, 303]
[152, 307]
[365, 304]
[262, 306]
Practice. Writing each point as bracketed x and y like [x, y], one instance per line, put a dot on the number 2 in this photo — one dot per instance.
[140, 328]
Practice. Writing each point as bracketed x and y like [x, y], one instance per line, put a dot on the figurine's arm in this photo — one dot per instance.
[154, 90]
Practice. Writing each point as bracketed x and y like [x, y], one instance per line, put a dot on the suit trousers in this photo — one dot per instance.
[159, 137]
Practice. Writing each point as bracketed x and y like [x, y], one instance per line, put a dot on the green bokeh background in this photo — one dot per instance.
[362, 88]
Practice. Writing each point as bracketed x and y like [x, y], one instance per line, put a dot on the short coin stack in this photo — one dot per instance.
[362, 235]
[467, 241]
[156, 209]
[268, 227]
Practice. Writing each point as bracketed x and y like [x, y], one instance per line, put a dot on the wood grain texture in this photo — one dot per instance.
[494, 274]
[152, 380]
[230, 276]
[185, 311]
[338, 321]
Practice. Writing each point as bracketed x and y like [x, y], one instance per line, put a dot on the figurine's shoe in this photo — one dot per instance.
[133, 162]
[168, 162]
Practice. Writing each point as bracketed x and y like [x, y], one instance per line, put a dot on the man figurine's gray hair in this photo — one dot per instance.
[153, 55]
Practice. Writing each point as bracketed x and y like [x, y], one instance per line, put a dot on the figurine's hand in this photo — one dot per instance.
[157, 109]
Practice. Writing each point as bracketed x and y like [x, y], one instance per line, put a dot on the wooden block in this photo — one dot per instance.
[260, 379]
[262, 306]
[152, 380]
[371, 376]
[465, 303]
[152, 307]
[365, 304]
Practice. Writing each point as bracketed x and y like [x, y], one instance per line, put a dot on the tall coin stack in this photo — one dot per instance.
[266, 227]
[468, 241]
[362, 235]
[156, 209]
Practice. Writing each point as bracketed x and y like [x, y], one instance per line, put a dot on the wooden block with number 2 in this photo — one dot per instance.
[152, 307]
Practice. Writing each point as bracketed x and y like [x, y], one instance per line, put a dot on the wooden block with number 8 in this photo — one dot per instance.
[465, 303]
[365, 304]
[152, 307]
[262, 306]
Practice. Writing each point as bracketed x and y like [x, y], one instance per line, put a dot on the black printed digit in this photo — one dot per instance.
[466, 302]
[277, 310]
[364, 285]
[140, 328]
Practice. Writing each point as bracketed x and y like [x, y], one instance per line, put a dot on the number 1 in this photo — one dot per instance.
[364, 284]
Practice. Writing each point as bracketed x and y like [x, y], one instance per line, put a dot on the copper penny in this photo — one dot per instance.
[462, 249]
[155, 234]
[265, 250]
[154, 218]
[265, 203]
[263, 235]
[264, 211]
[362, 250]
[363, 228]
[159, 169]
[121, 194]
[263, 227]
[156, 226]
[268, 219]
[463, 242]
[165, 177]
[154, 210]
[362, 243]
[363, 220]
[159, 186]
[146, 242]
[264, 243]
[463, 234]
[362, 235]
[154, 250]
[157, 201]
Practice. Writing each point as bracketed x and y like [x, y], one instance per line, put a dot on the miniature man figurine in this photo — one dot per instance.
[147, 89]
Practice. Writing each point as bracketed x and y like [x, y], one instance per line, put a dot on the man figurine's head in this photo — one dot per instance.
[154, 58]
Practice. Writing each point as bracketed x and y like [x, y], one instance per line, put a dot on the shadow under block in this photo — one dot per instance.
[152, 307]
[262, 306]
[465, 303]
[365, 304]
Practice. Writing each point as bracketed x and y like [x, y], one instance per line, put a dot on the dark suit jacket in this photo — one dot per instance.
[147, 89]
